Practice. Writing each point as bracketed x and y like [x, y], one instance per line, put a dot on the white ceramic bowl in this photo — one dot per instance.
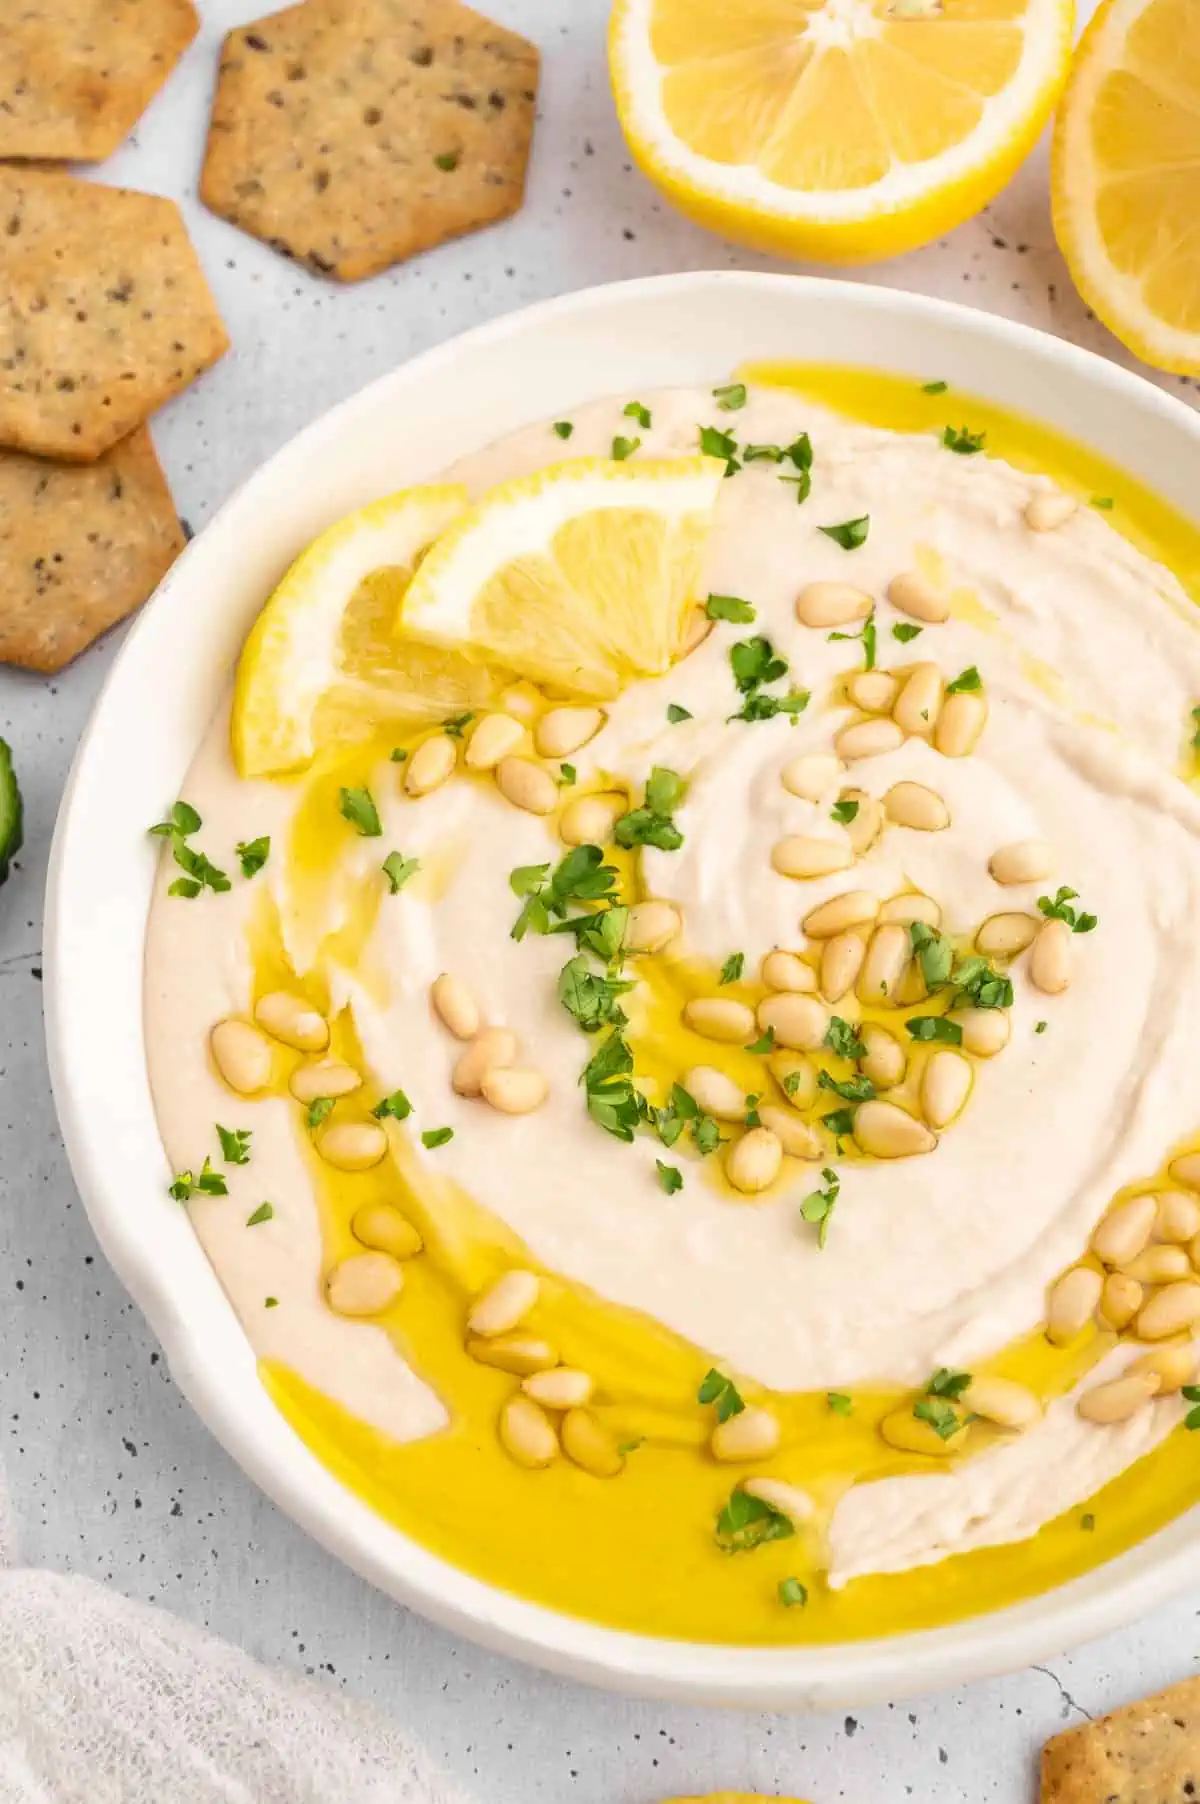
[132, 759]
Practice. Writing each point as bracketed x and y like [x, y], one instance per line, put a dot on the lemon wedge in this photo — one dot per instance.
[580, 576]
[839, 130]
[320, 661]
[1125, 170]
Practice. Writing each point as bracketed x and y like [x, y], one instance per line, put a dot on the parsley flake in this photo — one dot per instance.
[264, 1212]
[1058, 908]
[747, 1522]
[935, 1027]
[1104, 502]
[253, 854]
[397, 1106]
[1191, 1394]
[564, 428]
[966, 682]
[633, 410]
[318, 1109]
[818, 1205]
[625, 447]
[729, 607]
[731, 397]
[964, 442]
[436, 1136]
[358, 807]
[839, 1403]
[566, 775]
[850, 534]
[446, 160]
[456, 725]
[1040, 1027]
[717, 1388]
[842, 1039]
[235, 1144]
[906, 631]
[934, 388]
[844, 812]
[792, 1593]
[669, 1176]
[651, 824]
[398, 869]
[733, 967]
[207, 1182]
[715, 443]
[675, 714]
[765, 1043]
[942, 1417]
[1087, 1522]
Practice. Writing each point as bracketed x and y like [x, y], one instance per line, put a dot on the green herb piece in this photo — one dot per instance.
[182, 820]
[318, 1109]
[850, 534]
[359, 809]
[200, 872]
[765, 1042]
[206, 1183]
[633, 410]
[842, 1038]
[456, 725]
[270, 1302]
[753, 1118]
[397, 755]
[759, 705]
[264, 1212]
[818, 1205]
[729, 607]
[184, 886]
[733, 967]
[717, 1388]
[253, 854]
[235, 1144]
[398, 869]
[980, 984]
[747, 1522]
[1058, 908]
[934, 952]
[839, 1403]
[867, 632]
[566, 775]
[524, 878]
[792, 1082]
[803, 485]
[906, 631]
[934, 388]
[669, 1176]
[396, 1105]
[625, 447]
[675, 713]
[839, 1123]
[591, 998]
[631, 1446]
[762, 454]
[564, 428]
[436, 1137]
[935, 1027]
[1196, 729]
[715, 443]
[612, 1100]
[731, 397]
[942, 1417]
[1191, 1394]
[964, 442]
[602, 933]
[754, 662]
[1040, 1027]
[967, 680]
[1104, 502]
[946, 1382]
[843, 812]
[800, 452]
[852, 1089]
[651, 824]
[1087, 1521]
[792, 1593]
[582, 876]
[447, 160]
[706, 1135]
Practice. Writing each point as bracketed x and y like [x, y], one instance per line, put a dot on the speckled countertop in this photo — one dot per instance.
[109, 1472]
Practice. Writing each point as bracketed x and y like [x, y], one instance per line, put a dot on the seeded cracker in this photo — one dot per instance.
[1147, 1753]
[76, 75]
[350, 134]
[81, 546]
[104, 312]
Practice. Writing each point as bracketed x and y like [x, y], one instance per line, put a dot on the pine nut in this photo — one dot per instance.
[720, 1018]
[1177, 1216]
[493, 1047]
[1006, 935]
[1120, 1301]
[753, 1162]
[801, 855]
[752, 1434]
[1186, 1170]
[873, 691]
[812, 775]
[352, 1145]
[913, 987]
[561, 1388]
[527, 1434]
[960, 723]
[1072, 1303]
[795, 1077]
[867, 825]
[1124, 1231]
[907, 1432]
[916, 597]
[364, 1284]
[945, 1086]
[1050, 960]
[886, 1131]
[919, 703]
[589, 820]
[886, 961]
[853, 908]
[1194, 1252]
[504, 1304]
[868, 739]
[912, 906]
[563, 730]
[522, 699]
[788, 1500]
[985, 1031]
[1173, 1366]
[696, 629]
[651, 926]
[527, 785]
[520, 1354]
[590, 1445]
[799, 1022]
[430, 765]
[841, 961]
[383, 1227]
[831, 604]
[1002, 1401]
[293, 1020]
[1024, 861]
[716, 1093]
[786, 971]
[1159, 1265]
[912, 805]
[797, 1139]
[1119, 1399]
[328, 1077]
[242, 1056]
[1049, 508]
[885, 1061]
[514, 1090]
[494, 738]
[455, 1006]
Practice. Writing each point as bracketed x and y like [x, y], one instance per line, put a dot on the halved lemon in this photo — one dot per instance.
[320, 661]
[839, 130]
[1126, 170]
[580, 576]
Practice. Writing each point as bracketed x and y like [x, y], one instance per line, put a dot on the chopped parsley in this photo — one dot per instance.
[840, 1403]
[853, 1089]
[613, 1101]
[564, 428]
[589, 997]
[633, 410]
[566, 776]
[733, 967]
[964, 442]
[762, 454]
[935, 1027]
[729, 607]
[753, 1118]
[793, 1080]
[398, 869]
[1191, 1394]
[842, 1038]
[850, 534]
[651, 824]
[747, 1522]
[1104, 502]
[844, 812]
[946, 1382]
[942, 1417]
[818, 1205]
[799, 453]
[397, 755]
[270, 1302]
[235, 1144]
[264, 1212]
[1196, 729]
[456, 725]
[582, 876]
[669, 1176]
[253, 854]
[715, 443]
[1058, 908]
[446, 160]
[397, 1106]
[974, 979]
[676, 713]
[967, 681]
[625, 447]
[199, 872]
[682, 1111]
[436, 1136]
[717, 1388]
[906, 631]
[207, 1182]
[730, 397]
[765, 1042]
[1087, 1522]
[754, 663]
[358, 807]
[318, 1109]
[792, 1593]
[181, 821]
[934, 388]
[867, 632]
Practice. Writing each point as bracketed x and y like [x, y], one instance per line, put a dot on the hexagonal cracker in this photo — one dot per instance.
[77, 75]
[351, 134]
[104, 312]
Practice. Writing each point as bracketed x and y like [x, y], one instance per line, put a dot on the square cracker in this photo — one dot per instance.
[350, 134]
[76, 75]
[1147, 1753]
[104, 312]
[81, 546]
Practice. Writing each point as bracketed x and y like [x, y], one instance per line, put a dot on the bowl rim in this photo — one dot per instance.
[852, 1672]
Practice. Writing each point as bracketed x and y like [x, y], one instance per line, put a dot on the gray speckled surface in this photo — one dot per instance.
[110, 1473]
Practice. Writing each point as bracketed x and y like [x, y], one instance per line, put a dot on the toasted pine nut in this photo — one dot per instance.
[1194, 1252]
[720, 1018]
[1002, 1401]
[945, 1086]
[913, 987]
[1050, 960]
[520, 1354]
[1124, 1231]
[1174, 1366]
[919, 703]
[886, 1061]
[868, 738]
[873, 691]
[912, 805]
[491, 1048]
[1005, 935]
[916, 597]
[752, 1434]
[785, 971]
[1049, 508]
[504, 1304]
[242, 1055]
[841, 961]
[561, 1388]
[1072, 1303]
[364, 1284]
[1177, 1216]
[1024, 861]
[812, 775]
[800, 1022]
[327, 1077]
[527, 785]
[867, 825]
[1120, 1301]
[716, 1093]
[797, 1139]
[887, 1131]
[902, 1429]
[795, 1076]
[590, 1445]
[985, 1031]
[456, 1006]
[589, 820]
[514, 1090]
[853, 908]
[909, 907]
[563, 730]
[352, 1145]
[803, 855]
[527, 1434]
[831, 604]
[1119, 1398]
[1159, 1264]
[1186, 1170]
[960, 723]
[383, 1227]
[522, 699]
[752, 1163]
[887, 960]
[430, 765]
[293, 1020]
[696, 629]
[788, 1500]
[651, 926]
[495, 736]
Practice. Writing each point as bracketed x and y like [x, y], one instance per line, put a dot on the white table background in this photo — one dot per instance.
[109, 1472]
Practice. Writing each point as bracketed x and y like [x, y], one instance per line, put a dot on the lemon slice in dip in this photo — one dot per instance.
[582, 576]
[320, 662]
